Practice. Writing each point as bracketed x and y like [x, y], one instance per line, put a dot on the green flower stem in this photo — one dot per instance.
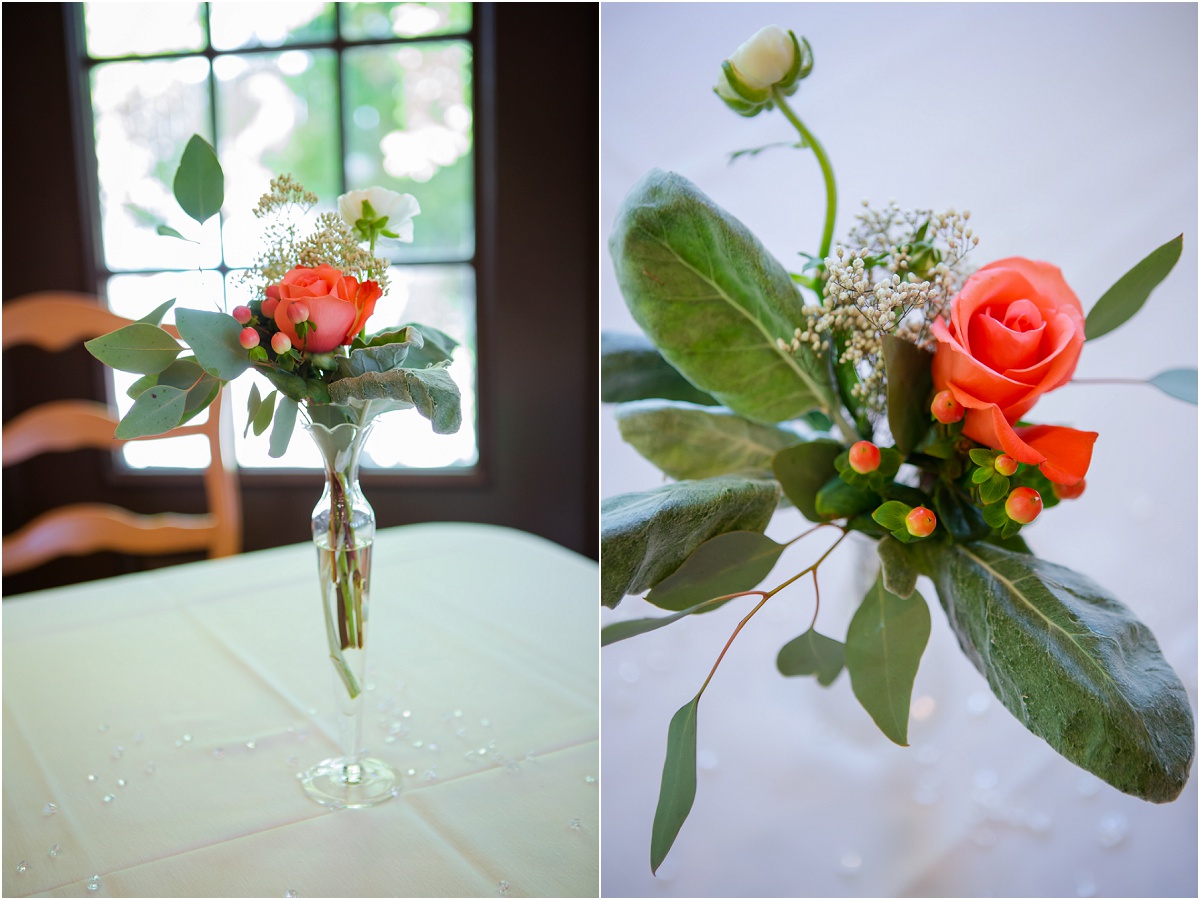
[826, 169]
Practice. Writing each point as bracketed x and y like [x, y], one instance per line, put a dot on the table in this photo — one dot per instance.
[166, 714]
[1018, 113]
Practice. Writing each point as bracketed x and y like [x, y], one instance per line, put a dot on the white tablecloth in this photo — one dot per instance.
[194, 694]
[1069, 131]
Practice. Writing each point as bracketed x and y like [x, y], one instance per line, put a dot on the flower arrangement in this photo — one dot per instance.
[885, 388]
[305, 332]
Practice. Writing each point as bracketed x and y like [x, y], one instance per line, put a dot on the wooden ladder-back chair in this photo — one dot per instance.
[53, 321]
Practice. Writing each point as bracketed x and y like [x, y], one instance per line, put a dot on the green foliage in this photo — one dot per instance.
[199, 182]
[909, 384]
[877, 481]
[714, 302]
[1177, 383]
[383, 357]
[432, 391]
[884, 644]
[839, 500]
[724, 564]
[285, 423]
[1071, 663]
[619, 631]
[291, 386]
[645, 536]
[803, 470]
[678, 788]
[436, 348]
[135, 389]
[168, 231]
[259, 411]
[687, 441]
[155, 316]
[812, 654]
[958, 515]
[993, 489]
[140, 347]
[983, 457]
[156, 410]
[898, 566]
[213, 337]
[631, 368]
[1126, 297]
[187, 375]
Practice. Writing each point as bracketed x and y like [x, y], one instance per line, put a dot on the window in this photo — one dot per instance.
[340, 95]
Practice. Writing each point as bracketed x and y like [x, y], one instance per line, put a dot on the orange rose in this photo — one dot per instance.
[1015, 332]
[338, 306]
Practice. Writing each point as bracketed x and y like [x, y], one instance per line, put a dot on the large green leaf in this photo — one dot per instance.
[199, 181]
[436, 346]
[285, 423]
[645, 536]
[619, 631]
[631, 368]
[812, 654]
[1126, 297]
[1177, 383]
[432, 391]
[689, 441]
[714, 301]
[214, 338]
[1071, 663]
[899, 567]
[909, 383]
[141, 347]
[725, 564]
[884, 643]
[156, 410]
[803, 470]
[383, 357]
[678, 788]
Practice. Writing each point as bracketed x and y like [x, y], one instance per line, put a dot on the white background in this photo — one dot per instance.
[1069, 131]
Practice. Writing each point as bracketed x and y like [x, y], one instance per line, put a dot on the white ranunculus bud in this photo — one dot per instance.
[764, 59]
[399, 210]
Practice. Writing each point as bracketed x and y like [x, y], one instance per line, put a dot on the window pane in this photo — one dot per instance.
[235, 25]
[278, 114]
[408, 128]
[139, 29]
[384, 20]
[144, 113]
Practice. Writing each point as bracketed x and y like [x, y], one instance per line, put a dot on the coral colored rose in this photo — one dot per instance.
[1015, 332]
[338, 306]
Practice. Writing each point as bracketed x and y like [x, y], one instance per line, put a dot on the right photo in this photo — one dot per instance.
[898, 449]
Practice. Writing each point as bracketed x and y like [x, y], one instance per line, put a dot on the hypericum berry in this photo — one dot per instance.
[946, 409]
[242, 314]
[268, 307]
[1023, 505]
[280, 342]
[248, 338]
[298, 312]
[864, 457]
[1006, 465]
[1070, 491]
[920, 522]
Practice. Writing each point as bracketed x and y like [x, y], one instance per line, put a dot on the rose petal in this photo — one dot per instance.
[1068, 452]
[990, 428]
[1001, 348]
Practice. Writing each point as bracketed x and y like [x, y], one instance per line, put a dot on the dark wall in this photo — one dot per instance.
[537, 314]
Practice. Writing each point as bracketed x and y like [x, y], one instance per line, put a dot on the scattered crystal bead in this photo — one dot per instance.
[460, 733]
[590, 779]
[120, 782]
[292, 894]
[102, 728]
[49, 809]
[574, 824]
[149, 768]
[503, 887]
[406, 714]
[293, 761]
[458, 714]
[370, 686]
[54, 850]
[109, 798]
[486, 723]
[430, 775]
[93, 883]
[390, 739]
[1085, 887]
[187, 738]
[138, 738]
[433, 748]
[1113, 829]
[218, 753]
[178, 743]
[118, 752]
[418, 743]
[250, 745]
[22, 866]
[513, 768]
[850, 862]
[410, 772]
[93, 777]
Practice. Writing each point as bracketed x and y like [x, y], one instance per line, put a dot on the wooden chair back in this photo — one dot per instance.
[53, 321]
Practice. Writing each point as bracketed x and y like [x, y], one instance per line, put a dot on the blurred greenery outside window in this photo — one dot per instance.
[340, 95]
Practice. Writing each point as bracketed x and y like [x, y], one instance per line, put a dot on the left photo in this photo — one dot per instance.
[300, 461]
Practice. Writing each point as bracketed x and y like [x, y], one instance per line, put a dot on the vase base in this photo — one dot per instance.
[345, 784]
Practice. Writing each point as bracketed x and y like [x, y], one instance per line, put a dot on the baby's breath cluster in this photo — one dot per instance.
[908, 266]
[333, 243]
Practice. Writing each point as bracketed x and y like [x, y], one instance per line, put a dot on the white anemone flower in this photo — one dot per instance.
[398, 208]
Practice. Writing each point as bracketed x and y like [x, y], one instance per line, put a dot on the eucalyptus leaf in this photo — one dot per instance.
[1071, 663]
[168, 231]
[264, 414]
[291, 386]
[155, 316]
[645, 536]
[199, 182]
[839, 500]
[678, 789]
[141, 348]
[186, 374]
[631, 368]
[157, 409]
[724, 564]
[432, 391]
[1177, 383]
[135, 389]
[812, 654]
[714, 302]
[386, 356]
[899, 567]
[803, 470]
[1126, 297]
[285, 423]
[436, 348]
[909, 384]
[620, 631]
[689, 441]
[884, 644]
[253, 405]
[214, 338]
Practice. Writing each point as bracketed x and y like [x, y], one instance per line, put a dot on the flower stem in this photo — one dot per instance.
[826, 169]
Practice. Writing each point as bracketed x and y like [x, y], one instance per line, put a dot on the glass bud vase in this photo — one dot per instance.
[343, 529]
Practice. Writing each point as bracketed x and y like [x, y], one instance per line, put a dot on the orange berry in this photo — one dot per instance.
[1070, 491]
[864, 457]
[248, 338]
[1023, 505]
[946, 409]
[1006, 465]
[920, 522]
[280, 342]
[298, 312]
[242, 314]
